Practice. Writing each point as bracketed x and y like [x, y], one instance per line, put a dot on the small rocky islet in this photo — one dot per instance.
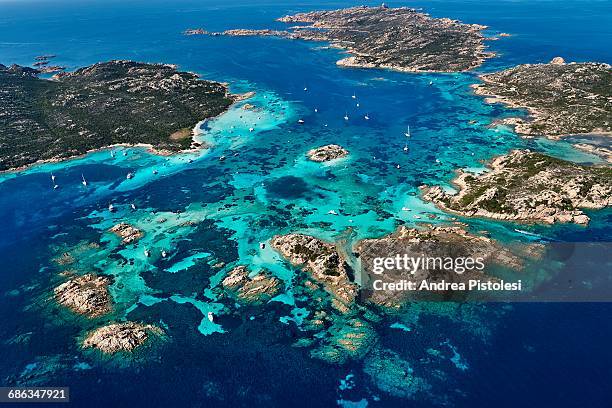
[327, 153]
[121, 337]
[86, 295]
[251, 290]
[88, 109]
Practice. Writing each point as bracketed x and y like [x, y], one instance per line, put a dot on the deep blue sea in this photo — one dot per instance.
[493, 355]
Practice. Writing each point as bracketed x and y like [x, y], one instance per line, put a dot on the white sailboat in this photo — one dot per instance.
[354, 96]
[129, 176]
[301, 121]
[111, 208]
[147, 253]
[53, 178]
[407, 133]
[164, 254]
[366, 117]
[346, 116]
[133, 207]
[84, 182]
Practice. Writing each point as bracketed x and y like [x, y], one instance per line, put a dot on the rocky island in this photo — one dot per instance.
[327, 153]
[117, 337]
[87, 295]
[116, 102]
[562, 98]
[528, 186]
[126, 232]
[401, 39]
[443, 242]
[324, 264]
[256, 290]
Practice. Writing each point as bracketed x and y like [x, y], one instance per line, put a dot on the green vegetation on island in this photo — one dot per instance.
[116, 102]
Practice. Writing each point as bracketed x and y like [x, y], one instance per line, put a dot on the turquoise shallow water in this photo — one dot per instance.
[265, 186]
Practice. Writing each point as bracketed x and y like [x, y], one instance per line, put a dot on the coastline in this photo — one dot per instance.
[237, 98]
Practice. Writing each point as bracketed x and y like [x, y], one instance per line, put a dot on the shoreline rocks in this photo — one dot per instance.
[327, 153]
[120, 337]
[87, 295]
[530, 187]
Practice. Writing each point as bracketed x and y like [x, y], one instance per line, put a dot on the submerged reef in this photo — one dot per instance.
[346, 340]
[327, 153]
[117, 337]
[86, 295]
[393, 375]
[401, 39]
[116, 102]
[528, 186]
[562, 98]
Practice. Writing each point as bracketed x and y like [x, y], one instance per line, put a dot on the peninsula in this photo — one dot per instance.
[401, 39]
[116, 102]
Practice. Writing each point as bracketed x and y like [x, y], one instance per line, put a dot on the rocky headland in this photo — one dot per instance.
[402, 39]
[530, 187]
[327, 153]
[87, 295]
[116, 102]
[120, 337]
[562, 98]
